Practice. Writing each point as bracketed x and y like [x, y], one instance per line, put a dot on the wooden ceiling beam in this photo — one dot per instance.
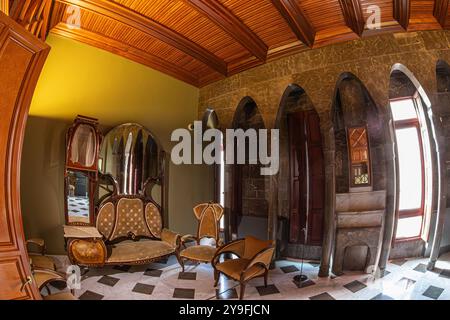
[440, 11]
[353, 15]
[142, 23]
[4, 6]
[402, 12]
[119, 48]
[232, 25]
[297, 20]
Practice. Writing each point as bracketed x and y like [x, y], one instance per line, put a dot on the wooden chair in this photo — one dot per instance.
[254, 258]
[208, 216]
[40, 261]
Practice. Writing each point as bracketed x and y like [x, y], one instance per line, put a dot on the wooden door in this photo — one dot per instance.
[21, 59]
[307, 178]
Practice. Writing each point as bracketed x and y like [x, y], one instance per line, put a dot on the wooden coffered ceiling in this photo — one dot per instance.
[202, 41]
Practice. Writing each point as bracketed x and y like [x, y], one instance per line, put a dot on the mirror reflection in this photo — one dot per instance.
[132, 157]
[78, 203]
[83, 146]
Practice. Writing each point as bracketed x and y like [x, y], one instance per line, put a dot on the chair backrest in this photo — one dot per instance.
[208, 216]
[127, 217]
[253, 246]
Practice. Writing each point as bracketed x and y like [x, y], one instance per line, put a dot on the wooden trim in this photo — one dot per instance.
[297, 20]
[402, 12]
[353, 15]
[119, 48]
[139, 22]
[232, 25]
[440, 11]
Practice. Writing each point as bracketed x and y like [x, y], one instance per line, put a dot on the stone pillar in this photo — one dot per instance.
[391, 194]
[442, 191]
[330, 200]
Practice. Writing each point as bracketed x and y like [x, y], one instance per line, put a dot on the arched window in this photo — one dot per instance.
[413, 156]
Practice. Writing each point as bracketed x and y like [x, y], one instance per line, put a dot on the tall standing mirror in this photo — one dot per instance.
[131, 162]
[83, 144]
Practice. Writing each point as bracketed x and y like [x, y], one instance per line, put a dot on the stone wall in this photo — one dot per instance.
[318, 71]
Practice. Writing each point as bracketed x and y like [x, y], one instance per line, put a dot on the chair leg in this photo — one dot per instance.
[241, 296]
[265, 278]
[180, 261]
[216, 278]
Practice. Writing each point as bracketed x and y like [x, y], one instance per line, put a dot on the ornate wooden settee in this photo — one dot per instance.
[129, 230]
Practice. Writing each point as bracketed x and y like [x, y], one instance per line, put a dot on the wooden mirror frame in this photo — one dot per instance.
[90, 171]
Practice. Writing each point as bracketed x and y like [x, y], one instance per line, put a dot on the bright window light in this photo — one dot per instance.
[222, 182]
[409, 227]
[410, 168]
[403, 110]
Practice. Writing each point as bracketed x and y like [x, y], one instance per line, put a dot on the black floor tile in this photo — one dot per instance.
[304, 284]
[355, 286]
[322, 296]
[153, 272]
[181, 293]
[270, 289]
[289, 269]
[89, 295]
[421, 268]
[108, 280]
[433, 292]
[398, 262]
[187, 276]
[386, 272]
[227, 294]
[382, 297]
[445, 273]
[143, 288]
[315, 264]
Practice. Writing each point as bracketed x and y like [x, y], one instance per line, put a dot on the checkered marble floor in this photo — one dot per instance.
[405, 280]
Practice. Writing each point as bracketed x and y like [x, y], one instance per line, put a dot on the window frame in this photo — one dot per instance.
[404, 124]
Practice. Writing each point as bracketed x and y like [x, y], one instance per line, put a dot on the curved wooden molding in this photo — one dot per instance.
[33, 15]
[117, 47]
[297, 20]
[353, 15]
[140, 22]
[440, 11]
[402, 12]
[232, 25]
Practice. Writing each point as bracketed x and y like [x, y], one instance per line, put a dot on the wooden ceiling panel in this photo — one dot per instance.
[180, 17]
[202, 41]
[273, 29]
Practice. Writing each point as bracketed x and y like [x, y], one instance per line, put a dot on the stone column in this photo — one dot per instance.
[330, 200]
[391, 193]
[442, 191]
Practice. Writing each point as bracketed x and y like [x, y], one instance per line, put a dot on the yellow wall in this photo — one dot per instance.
[79, 79]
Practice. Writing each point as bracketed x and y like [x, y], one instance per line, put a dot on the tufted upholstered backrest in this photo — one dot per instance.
[128, 218]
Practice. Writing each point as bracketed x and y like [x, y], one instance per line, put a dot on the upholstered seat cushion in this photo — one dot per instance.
[199, 253]
[42, 262]
[234, 268]
[136, 251]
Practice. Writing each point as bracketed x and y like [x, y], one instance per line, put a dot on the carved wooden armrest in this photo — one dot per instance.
[188, 238]
[263, 259]
[43, 277]
[171, 238]
[38, 242]
[235, 247]
[87, 252]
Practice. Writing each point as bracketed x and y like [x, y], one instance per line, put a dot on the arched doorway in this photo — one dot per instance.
[301, 178]
[360, 177]
[249, 204]
[415, 161]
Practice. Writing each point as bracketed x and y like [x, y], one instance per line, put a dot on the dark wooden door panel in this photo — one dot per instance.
[21, 59]
[307, 177]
